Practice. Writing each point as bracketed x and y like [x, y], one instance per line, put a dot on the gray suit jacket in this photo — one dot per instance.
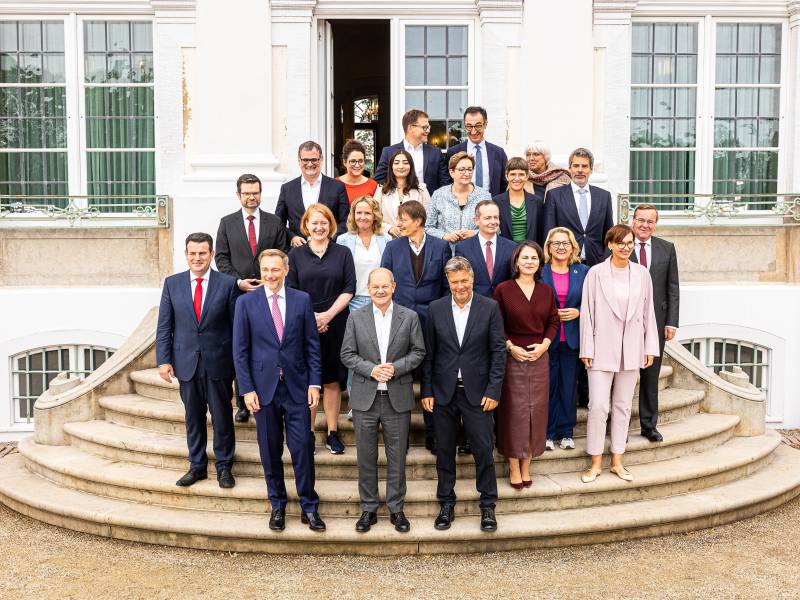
[666, 287]
[361, 354]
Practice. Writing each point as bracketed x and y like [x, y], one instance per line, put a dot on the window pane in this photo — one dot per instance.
[53, 68]
[767, 133]
[662, 133]
[30, 68]
[771, 39]
[687, 38]
[119, 68]
[748, 39]
[641, 69]
[686, 69]
[457, 40]
[415, 99]
[8, 36]
[95, 68]
[53, 36]
[768, 102]
[436, 104]
[640, 133]
[30, 37]
[435, 41]
[51, 360]
[456, 104]
[663, 172]
[455, 133]
[663, 69]
[747, 69]
[746, 354]
[746, 102]
[436, 71]
[35, 362]
[642, 41]
[770, 69]
[664, 38]
[119, 39]
[684, 133]
[662, 102]
[725, 102]
[726, 69]
[142, 37]
[438, 134]
[685, 102]
[121, 173]
[415, 40]
[142, 71]
[724, 136]
[457, 71]
[95, 36]
[415, 71]
[726, 38]
[640, 102]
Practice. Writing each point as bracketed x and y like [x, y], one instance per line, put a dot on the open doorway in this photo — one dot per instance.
[361, 87]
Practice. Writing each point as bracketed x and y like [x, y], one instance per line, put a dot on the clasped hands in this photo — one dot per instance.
[323, 319]
[251, 400]
[382, 372]
[533, 353]
[459, 235]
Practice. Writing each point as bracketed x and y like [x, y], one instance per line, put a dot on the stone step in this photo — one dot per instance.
[42, 499]
[134, 410]
[77, 469]
[148, 384]
[697, 433]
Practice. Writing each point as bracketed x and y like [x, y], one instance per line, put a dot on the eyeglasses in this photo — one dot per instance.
[355, 162]
[465, 170]
[249, 194]
[476, 127]
[423, 127]
[560, 244]
[648, 222]
[624, 245]
[309, 161]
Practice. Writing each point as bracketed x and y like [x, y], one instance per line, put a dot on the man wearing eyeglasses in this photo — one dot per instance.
[429, 164]
[658, 256]
[311, 187]
[490, 160]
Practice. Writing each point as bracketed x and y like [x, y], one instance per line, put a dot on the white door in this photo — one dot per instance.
[326, 115]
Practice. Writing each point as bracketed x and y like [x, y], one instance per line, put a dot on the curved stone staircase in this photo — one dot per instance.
[108, 450]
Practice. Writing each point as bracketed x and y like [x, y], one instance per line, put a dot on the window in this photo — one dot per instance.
[437, 78]
[32, 372]
[365, 122]
[663, 110]
[33, 122]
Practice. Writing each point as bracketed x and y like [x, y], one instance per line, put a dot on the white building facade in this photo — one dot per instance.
[146, 112]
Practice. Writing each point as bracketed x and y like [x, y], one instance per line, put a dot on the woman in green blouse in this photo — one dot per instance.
[521, 213]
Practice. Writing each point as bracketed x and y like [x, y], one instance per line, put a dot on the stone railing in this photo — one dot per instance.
[132, 210]
[709, 208]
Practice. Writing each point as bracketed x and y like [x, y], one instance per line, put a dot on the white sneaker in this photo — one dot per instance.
[548, 445]
[350, 415]
[567, 444]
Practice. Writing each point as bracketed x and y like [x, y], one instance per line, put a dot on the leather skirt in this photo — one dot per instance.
[522, 412]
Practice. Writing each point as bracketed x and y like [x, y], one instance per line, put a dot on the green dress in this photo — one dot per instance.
[519, 223]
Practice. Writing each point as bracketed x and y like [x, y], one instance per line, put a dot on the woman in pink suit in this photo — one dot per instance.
[619, 336]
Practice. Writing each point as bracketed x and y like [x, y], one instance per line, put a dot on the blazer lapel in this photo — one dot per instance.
[372, 332]
[266, 309]
[211, 292]
[262, 232]
[594, 211]
[607, 285]
[188, 299]
[397, 320]
[473, 315]
[568, 204]
[426, 259]
[479, 260]
[573, 295]
[634, 293]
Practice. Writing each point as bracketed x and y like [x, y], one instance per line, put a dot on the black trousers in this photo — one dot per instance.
[478, 426]
[648, 395]
[201, 394]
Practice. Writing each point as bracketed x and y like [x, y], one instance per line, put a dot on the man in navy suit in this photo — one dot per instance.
[584, 209]
[276, 351]
[490, 160]
[488, 253]
[311, 187]
[193, 344]
[430, 165]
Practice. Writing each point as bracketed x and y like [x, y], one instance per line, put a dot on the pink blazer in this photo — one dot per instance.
[612, 343]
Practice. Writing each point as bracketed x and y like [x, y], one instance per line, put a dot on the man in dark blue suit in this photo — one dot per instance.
[193, 344]
[490, 160]
[584, 209]
[430, 165]
[488, 253]
[310, 188]
[276, 351]
[417, 262]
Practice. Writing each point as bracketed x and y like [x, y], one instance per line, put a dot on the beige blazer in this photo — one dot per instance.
[613, 341]
[391, 202]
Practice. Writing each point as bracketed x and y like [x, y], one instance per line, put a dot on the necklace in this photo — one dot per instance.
[318, 252]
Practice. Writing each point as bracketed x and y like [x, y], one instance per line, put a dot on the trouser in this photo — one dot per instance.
[561, 414]
[582, 384]
[648, 395]
[239, 399]
[200, 394]
[602, 400]
[478, 425]
[295, 417]
[395, 439]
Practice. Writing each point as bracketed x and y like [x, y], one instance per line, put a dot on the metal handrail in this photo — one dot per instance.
[144, 210]
[714, 206]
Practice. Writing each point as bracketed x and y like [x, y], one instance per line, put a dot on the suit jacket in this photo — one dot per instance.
[361, 354]
[560, 211]
[534, 213]
[616, 341]
[233, 256]
[666, 287]
[433, 283]
[497, 165]
[481, 356]
[435, 173]
[577, 275]
[259, 356]
[181, 340]
[472, 249]
[290, 207]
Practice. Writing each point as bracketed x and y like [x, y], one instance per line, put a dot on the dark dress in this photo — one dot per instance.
[324, 279]
[522, 412]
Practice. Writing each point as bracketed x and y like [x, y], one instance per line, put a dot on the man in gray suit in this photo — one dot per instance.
[383, 344]
[658, 255]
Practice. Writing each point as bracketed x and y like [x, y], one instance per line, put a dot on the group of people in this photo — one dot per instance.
[508, 293]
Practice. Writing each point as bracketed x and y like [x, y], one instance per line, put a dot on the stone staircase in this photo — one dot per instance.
[108, 450]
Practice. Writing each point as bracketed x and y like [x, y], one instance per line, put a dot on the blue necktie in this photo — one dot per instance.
[478, 167]
[583, 214]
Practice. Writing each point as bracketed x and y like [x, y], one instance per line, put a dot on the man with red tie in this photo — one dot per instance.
[193, 344]
[241, 237]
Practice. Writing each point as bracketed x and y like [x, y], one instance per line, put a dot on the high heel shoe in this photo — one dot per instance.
[527, 483]
[516, 486]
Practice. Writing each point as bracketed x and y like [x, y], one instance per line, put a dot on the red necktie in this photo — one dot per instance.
[198, 298]
[489, 260]
[642, 255]
[251, 234]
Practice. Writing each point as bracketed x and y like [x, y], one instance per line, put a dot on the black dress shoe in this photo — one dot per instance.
[400, 522]
[367, 520]
[192, 476]
[445, 518]
[488, 522]
[653, 435]
[465, 448]
[242, 415]
[277, 520]
[313, 520]
[225, 479]
[430, 445]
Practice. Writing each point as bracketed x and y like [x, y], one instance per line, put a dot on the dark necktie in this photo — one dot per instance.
[642, 255]
[251, 234]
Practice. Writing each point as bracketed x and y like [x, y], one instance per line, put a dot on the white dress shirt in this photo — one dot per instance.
[471, 149]
[383, 327]
[493, 242]
[281, 303]
[256, 221]
[577, 196]
[417, 249]
[311, 190]
[365, 259]
[648, 251]
[460, 317]
[418, 156]
[204, 277]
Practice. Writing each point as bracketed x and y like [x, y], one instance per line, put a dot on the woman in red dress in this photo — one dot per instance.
[530, 318]
[354, 180]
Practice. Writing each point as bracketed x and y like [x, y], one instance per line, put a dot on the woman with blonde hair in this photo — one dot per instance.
[544, 175]
[564, 273]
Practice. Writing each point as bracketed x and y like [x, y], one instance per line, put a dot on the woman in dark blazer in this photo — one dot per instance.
[521, 213]
[564, 273]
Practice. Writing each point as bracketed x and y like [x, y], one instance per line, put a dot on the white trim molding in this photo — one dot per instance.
[715, 8]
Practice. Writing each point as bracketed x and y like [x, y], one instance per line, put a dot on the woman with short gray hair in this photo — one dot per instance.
[543, 174]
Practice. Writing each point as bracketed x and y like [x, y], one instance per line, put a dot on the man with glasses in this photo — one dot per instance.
[658, 256]
[490, 160]
[429, 164]
[241, 237]
[310, 188]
